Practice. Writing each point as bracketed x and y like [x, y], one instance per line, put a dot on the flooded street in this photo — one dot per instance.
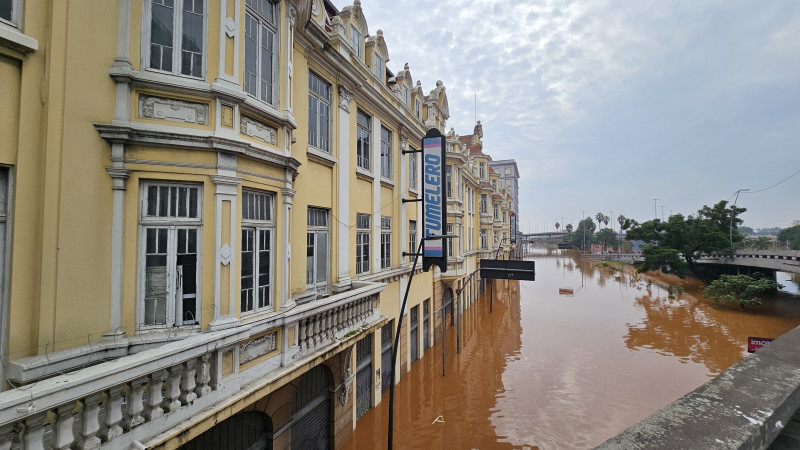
[569, 360]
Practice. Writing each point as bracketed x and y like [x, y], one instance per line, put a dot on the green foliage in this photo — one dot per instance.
[746, 231]
[762, 243]
[686, 237]
[741, 289]
[577, 238]
[665, 259]
[790, 237]
[569, 228]
[607, 237]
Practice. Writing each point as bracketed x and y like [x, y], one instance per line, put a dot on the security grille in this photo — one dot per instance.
[414, 334]
[311, 411]
[244, 431]
[363, 376]
[386, 356]
[425, 325]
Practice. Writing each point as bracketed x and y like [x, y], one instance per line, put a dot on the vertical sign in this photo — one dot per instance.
[434, 251]
[513, 231]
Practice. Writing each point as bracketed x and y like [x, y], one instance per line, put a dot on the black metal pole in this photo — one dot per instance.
[397, 342]
[444, 328]
[491, 297]
[458, 319]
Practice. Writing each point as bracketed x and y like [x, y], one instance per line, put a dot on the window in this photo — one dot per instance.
[448, 170]
[169, 265]
[260, 33]
[412, 239]
[319, 113]
[386, 153]
[362, 142]
[494, 184]
[406, 96]
[412, 169]
[177, 32]
[386, 242]
[379, 67]
[484, 239]
[504, 217]
[482, 171]
[317, 251]
[257, 235]
[9, 12]
[484, 205]
[355, 41]
[495, 212]
[362, 243]
[418, 108]
[450, 247]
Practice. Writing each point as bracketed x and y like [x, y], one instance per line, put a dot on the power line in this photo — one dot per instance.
[767, 188]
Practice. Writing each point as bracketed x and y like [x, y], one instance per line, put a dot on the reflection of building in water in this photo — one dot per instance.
[202, 200]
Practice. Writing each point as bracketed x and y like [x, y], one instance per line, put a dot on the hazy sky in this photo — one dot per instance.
[608, 105]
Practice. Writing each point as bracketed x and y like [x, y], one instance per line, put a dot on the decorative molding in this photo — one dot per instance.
[152, 107]
[226, 116]
[230, 27]
[345, 97]
[258, 130]
[315, 7]
[251, 350]
[292, 15]
[225, 255]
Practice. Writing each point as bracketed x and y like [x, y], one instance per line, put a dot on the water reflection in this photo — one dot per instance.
[569, 360]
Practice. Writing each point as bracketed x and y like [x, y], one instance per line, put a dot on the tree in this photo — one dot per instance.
[586, 226]
[746, 231]
[569, 228]
[741, 289]
[762, 243]
[790, 237]
[676, 244]
[601, 218]
[607, 237]
[557, 225]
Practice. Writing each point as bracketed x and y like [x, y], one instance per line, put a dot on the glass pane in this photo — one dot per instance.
[5, 9]
[161, 25]
[322, 257]
[250, 54]
[193, 192]
[152, 200]
[248, 242]
[163, 199]
[309, 258]
[192, 31]
[183, 201]
[156, 276]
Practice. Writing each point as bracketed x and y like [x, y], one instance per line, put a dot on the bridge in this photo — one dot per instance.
[775, 260]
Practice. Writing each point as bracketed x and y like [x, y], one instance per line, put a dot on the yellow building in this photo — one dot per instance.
[201, 221]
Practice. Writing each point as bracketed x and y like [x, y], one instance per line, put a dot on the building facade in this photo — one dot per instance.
[201, 222]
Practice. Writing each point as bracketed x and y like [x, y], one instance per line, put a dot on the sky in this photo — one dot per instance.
[606, 106]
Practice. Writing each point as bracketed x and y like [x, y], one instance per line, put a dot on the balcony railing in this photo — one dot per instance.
[119, 403]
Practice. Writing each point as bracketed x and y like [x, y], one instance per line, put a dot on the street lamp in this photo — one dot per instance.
[655, 208]
[733, 213]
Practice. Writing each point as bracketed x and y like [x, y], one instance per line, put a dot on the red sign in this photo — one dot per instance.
[755, 343]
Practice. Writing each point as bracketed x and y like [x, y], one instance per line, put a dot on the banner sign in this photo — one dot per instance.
[755, 343]
[434, 208]
[513, 228]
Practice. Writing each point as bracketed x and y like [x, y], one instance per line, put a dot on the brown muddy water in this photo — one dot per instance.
[568, 361]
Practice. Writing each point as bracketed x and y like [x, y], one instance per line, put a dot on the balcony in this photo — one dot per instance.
[141, 399]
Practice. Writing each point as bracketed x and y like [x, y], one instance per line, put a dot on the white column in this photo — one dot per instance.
[119, 175]
[228, 29]
[225, 196]
[285, 234]
[376, 195]
[343, 247]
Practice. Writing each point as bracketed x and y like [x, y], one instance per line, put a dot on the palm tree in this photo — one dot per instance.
[569, 228]
[557, 225]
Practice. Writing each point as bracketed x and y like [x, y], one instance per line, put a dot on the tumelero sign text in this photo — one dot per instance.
[434, 251]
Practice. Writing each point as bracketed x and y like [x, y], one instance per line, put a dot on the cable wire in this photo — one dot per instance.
[767, 188]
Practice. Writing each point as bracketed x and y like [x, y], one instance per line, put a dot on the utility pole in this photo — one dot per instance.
[584, 231]
[655, 208]
[733, 213]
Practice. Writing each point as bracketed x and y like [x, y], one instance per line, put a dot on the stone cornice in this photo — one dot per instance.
[132, 134]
